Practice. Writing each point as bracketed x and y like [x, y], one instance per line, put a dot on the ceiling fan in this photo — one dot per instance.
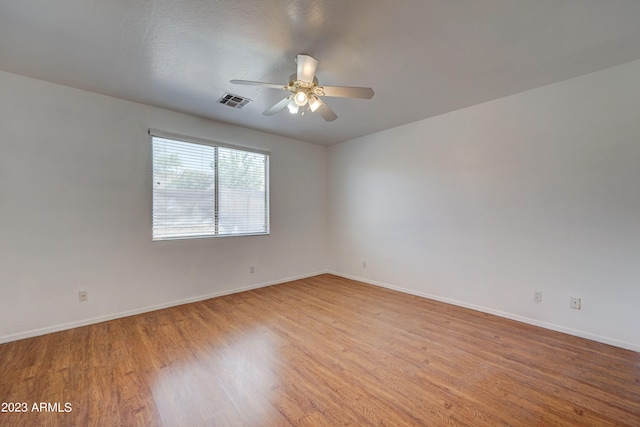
[306, 91]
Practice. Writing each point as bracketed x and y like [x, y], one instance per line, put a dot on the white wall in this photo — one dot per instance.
[482, 206]
[75, 212]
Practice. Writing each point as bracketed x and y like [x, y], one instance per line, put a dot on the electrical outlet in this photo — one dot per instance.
[252, 269]
[82, 295]
[574, 303]
[537, 296]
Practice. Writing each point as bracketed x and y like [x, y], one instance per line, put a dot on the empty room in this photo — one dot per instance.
[319, 213]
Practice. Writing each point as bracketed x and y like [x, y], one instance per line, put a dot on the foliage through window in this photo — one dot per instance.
[204, 189]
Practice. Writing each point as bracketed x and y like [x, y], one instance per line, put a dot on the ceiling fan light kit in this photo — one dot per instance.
[300, 98]
[314, 103]
[307, 92]
[293, 107]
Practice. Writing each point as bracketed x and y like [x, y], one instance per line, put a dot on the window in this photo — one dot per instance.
[205, 189]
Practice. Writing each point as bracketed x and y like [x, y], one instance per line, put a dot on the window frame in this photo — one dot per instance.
[154, 133]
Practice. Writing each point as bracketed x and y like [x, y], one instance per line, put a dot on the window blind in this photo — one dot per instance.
[205, 189]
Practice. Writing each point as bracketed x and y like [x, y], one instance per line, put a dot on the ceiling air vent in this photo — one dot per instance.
[233, 101]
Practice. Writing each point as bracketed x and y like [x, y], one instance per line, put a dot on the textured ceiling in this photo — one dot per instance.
[422, 57]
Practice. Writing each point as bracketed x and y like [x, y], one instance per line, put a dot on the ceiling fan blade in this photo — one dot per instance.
[326, 112]
[278, 106]
[306, 68]
[251, 83]
[348, 92]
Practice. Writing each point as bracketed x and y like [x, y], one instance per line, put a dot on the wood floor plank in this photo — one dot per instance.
[322, 351]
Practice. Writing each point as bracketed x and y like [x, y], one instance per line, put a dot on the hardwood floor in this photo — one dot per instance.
[323, 351]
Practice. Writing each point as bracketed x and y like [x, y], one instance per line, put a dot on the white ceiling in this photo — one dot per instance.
[422, 57]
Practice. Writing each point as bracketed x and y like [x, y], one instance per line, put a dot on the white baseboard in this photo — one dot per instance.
[57, 328]
[523, 319]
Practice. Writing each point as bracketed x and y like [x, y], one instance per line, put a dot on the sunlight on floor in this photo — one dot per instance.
[229, 373]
